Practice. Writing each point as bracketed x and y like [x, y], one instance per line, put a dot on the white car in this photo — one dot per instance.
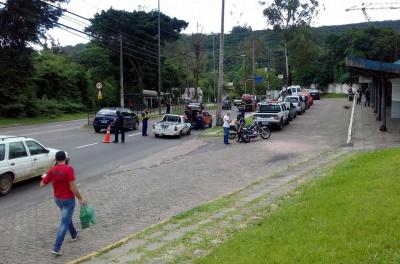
[297, 101]
[22, 158]
[172, 125]
[272, 114]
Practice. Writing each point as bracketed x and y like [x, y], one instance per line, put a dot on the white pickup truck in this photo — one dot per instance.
[272, 114]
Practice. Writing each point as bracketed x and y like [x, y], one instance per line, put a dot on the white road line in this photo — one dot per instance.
[85, 146]
[351, 123]
[134, 134]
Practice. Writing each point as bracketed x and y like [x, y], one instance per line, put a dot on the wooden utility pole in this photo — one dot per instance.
[121, 71]
[221, 67]
[213, 73]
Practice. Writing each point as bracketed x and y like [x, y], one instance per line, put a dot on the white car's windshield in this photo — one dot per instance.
[173, 119]
[291, 99]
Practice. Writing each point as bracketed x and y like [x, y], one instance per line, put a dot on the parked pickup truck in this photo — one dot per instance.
[272, 114]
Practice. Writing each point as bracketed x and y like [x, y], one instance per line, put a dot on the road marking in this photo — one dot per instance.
[88, 145]
[351, 123]
[134, 134]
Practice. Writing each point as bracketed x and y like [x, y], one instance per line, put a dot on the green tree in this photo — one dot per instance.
[22, 22]
[285, 15]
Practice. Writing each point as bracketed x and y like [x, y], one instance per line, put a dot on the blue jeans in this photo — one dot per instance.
[67, 207]
[226, 133]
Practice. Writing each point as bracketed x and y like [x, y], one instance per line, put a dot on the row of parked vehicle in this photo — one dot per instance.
[280, 112]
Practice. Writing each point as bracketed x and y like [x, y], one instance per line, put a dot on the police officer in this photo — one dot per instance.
[145, 119]
[119, 127]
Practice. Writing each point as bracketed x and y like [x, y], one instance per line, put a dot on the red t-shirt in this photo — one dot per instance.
[60, 176]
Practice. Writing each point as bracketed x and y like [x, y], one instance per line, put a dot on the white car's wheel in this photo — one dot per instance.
[6, 182]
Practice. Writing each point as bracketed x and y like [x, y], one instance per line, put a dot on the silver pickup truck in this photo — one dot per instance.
[272, 114]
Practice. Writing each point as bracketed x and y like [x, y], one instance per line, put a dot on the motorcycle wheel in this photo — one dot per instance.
[265, 133]
[232, 134]
[245, 138]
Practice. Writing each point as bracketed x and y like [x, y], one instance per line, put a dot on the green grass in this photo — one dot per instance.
[349, 216]
[333, 95]
[5, 122]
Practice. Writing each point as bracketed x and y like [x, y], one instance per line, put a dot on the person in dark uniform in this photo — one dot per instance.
[119, 127]
[168, 108]
[145, 119]
[199, 121]
[242, 109]
[367, 98]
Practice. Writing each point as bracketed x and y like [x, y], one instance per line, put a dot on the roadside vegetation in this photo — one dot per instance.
[6, 122]
[333, 95]
[349, 216]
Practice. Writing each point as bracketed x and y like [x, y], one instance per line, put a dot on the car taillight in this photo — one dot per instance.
[176, 128]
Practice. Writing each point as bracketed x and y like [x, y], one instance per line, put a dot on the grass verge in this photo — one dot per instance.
[333, 95]
[6, 122]
[350, 216]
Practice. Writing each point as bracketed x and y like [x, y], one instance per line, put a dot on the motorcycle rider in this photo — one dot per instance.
[240, 122]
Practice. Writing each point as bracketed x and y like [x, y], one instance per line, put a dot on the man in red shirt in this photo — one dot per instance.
[64, 188]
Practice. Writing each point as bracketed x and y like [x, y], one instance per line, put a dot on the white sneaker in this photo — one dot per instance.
[76, 237]
[57, 252]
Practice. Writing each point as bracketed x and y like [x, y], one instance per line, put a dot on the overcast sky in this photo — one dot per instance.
[208, 12]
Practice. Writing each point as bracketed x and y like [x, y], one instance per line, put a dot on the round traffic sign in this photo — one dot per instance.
[99, 85]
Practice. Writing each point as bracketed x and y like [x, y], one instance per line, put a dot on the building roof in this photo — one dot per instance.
[372, 68]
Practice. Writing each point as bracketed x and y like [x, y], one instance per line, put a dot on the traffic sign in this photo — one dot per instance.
[99, 86]
[99, 95]
[259, 79]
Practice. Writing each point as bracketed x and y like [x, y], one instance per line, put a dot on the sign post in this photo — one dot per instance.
[99, 87]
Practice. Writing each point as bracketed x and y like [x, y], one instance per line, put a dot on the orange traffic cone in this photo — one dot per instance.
[107, 136]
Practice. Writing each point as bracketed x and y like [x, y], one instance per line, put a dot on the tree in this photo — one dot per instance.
[284, 15]
[197, 58]
[138, 30]
[22, 22]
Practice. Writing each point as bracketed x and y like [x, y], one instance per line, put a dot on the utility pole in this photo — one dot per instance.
[254, 68]
[268, 72]
[213, 74]
[159, 60]
[121, 71]
[221, 67]
[244, 75]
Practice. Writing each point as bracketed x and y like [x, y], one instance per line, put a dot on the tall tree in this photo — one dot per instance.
[138, 30]
[22, 22]
[197, 58]
[284, 15]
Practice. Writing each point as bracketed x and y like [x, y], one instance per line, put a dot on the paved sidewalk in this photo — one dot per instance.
[366, 134]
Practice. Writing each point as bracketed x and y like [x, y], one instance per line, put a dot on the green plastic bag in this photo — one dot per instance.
[87, 216]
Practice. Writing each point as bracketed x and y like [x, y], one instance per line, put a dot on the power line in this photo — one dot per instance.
[110, 28]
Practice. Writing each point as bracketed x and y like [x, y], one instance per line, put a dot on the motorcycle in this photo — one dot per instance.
[255, 130]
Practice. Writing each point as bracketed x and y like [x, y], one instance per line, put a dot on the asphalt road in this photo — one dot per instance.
[90, 157]
[132, 199]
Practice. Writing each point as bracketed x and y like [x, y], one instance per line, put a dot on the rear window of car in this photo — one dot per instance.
[2, 152]
[291, 99]
[174, 119]
[106, 112]
[16, 150]
[270, 108]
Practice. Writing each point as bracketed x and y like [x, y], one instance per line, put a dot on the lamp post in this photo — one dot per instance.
[221, 67]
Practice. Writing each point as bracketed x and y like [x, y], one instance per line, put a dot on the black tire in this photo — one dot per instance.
[287, 122]
[6, 183]
[232, 134]
[245, 138]
[180, 134]
[97, 130]
[156, 135]
[189, 131]
[265, 133]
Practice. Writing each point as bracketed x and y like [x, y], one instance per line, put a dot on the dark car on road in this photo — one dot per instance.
[226, 105]
[315, 94]
[106, 116]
